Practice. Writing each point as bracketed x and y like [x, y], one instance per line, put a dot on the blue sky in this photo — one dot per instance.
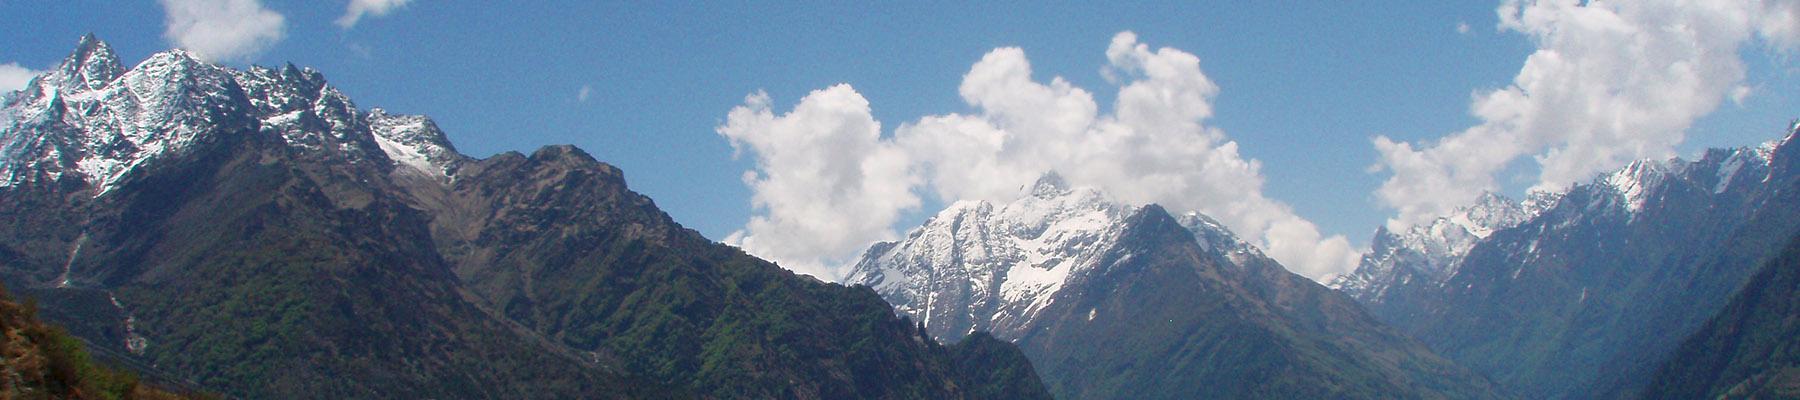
[1302, 88]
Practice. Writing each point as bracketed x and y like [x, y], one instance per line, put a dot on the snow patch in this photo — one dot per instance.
[406, 155]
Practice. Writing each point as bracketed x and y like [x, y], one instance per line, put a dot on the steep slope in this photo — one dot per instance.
[1584, 299]
[38, 360]
[1112, 301]
[1751, 349]
[253, 232]
[557, 242]
[995, 369]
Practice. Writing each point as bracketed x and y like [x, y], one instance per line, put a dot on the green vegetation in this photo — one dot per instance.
[1751, 349]
[570, 252]
[994, 369]
[1174, 321]
[256, 273]
[40, 361]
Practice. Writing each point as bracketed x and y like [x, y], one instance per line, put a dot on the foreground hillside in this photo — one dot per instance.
[1751, 349]
[39, 361]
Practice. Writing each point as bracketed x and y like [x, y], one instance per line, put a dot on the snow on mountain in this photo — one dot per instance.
[93, 121]
[979, 266]
[414, 142]
[1635, 182]
[1630, 189]
[1431, 251]
[1582, 300]
[1214, 237]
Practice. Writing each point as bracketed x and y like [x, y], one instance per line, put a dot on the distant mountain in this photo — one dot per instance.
[1413, 262]
[1751, 349]
[255, 233]
[1581, 294]
[1117, 301]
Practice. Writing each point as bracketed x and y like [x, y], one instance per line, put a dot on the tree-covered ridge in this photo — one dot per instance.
[557, 242]
[1751, 349]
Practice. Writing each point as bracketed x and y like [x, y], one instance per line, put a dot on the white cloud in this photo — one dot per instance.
[1609, 83]
[14, 77]
[1153, 148]
[1741, 93]
[374, 8]
[826, 185]
[222, 29]
[582, 95]
[1462, 28]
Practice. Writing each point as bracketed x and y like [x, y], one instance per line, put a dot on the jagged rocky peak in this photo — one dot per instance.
[94, 118]
[414, 143]
[276, 91]
[1213, 236]
[1050, 185]
[94, 122]
[91, 66]
[1432, 250]
[1635, 186]
[1636, 181]
[981, 266]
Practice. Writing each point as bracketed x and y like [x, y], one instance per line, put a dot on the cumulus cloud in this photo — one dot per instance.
[1610, 82]
[1154, 147]
[1462, 28]
[373, 8]
[826, 185]
[14, 77]
[581, 95]
[222, 29]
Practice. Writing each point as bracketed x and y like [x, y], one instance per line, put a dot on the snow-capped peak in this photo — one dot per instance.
[1432, 251]
[1739, 160]
[1636, 181]
[91, 66]
[978, 265]
[94, 121]
[91, 117]
[1215, 237]
[1004, 259]
[414, 142]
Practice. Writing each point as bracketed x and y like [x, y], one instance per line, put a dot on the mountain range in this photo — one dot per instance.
[1116, 301]
[253, 233]
[1584, 293]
